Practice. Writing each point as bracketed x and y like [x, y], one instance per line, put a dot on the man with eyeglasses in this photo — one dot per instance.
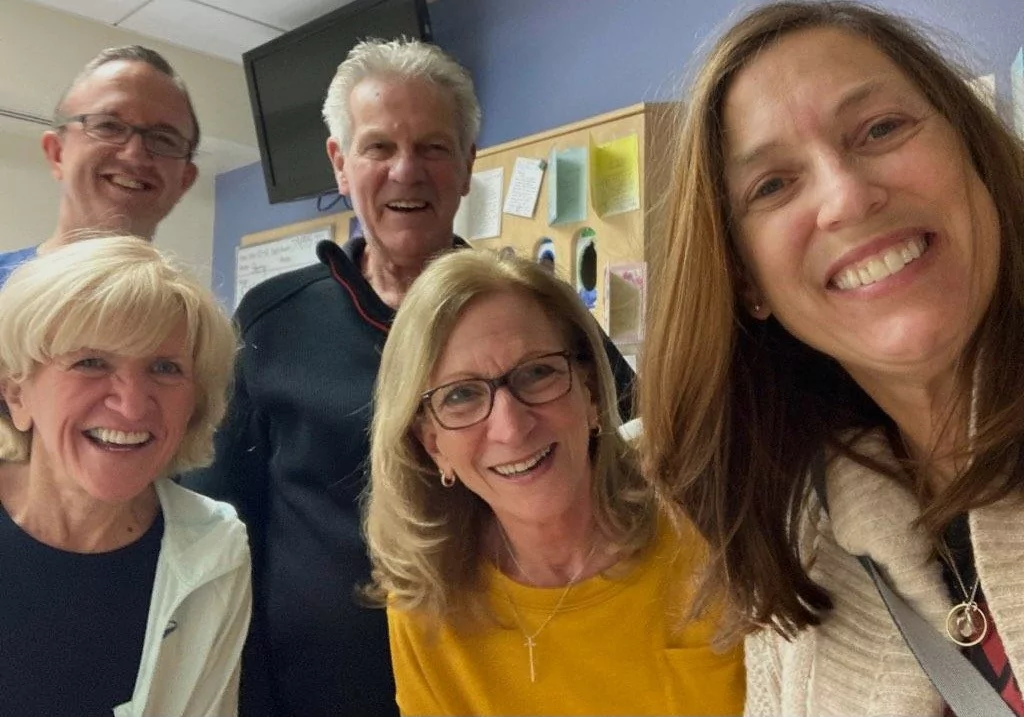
[122, 143]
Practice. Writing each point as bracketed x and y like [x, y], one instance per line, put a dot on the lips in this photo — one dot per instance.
[113, 438]
[510, 470]
[881, 265]
[130, 183]
[406, 205]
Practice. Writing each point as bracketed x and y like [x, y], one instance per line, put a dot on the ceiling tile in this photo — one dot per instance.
[199, 27]
[284, 14]
[107, 11]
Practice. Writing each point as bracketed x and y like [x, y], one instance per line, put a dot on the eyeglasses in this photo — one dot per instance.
[461, 404]
[108, 128]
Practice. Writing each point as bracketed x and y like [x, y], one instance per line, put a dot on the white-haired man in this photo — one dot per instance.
[403, 120]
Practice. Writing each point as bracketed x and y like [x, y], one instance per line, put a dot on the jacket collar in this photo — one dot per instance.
[344, 264]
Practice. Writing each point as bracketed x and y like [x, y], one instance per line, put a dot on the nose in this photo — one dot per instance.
[406, 167]
[129, 395]
[135, 148]
[850, 193]
[510, 419]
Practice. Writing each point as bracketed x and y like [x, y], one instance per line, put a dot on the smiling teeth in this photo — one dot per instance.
[511, 469]
[120, 438]
[881, 265]
[127, 183]
[407, 205]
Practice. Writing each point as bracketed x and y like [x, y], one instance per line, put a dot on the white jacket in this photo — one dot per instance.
[199, 612]
[856, 662]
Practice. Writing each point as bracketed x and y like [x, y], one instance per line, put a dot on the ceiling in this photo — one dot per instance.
[223, 28]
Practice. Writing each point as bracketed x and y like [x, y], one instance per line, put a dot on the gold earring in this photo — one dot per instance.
[447, 479]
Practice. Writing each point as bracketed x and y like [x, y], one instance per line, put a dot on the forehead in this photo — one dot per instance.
[496, 331]
[394, 104]
[810, 75]
[134, 91]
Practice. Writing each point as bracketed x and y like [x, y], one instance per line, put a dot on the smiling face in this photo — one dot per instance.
[404, 169]
[114, 187]
[103, 424]
[861, 220]
[529, 463]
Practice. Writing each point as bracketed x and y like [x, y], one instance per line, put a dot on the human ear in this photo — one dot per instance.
[754, 299]
[16, 406]
[53, 150]
[464, 190]
[337, 157]
[426, 433]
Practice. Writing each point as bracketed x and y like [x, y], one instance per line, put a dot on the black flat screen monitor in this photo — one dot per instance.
[288, 79]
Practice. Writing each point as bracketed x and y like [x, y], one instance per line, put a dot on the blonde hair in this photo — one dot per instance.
[406, 60]
[423, 538]
[116, 294]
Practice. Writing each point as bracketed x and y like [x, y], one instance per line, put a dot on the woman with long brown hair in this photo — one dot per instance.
[834, 365]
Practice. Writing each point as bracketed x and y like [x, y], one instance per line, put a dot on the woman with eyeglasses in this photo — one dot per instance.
[520, 555]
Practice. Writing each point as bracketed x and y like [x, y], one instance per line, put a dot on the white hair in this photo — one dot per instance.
[404, 59]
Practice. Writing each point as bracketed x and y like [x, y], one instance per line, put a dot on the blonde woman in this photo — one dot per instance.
[123, 593]
[520, 554]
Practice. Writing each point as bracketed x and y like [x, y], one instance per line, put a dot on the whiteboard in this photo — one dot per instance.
[257, 263]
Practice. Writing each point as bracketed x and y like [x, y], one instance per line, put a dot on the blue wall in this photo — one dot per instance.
[539, 64]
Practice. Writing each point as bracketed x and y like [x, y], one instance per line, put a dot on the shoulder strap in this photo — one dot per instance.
[961, 685]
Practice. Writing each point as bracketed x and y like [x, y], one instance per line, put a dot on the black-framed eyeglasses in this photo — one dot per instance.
[108, 128]
[464, 403]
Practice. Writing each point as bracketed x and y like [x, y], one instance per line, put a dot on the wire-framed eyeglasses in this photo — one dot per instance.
[536, 381]
[114, 130]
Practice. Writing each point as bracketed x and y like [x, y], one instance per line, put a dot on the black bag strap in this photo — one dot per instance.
[962, 687]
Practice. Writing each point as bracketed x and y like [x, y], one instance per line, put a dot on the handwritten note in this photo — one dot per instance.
[615, 176]
[479, 215]
[567, 186]
[524, 187]
[255, 264]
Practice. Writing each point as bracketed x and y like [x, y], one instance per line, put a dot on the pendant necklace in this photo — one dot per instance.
[966, 623]
[530, 639]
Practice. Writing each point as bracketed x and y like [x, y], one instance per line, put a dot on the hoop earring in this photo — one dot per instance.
[447, 479]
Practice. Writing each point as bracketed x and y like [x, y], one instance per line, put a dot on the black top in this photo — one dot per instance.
[72, 625]
[291, 456]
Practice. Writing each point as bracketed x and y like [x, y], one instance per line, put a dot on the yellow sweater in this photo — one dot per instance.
[610, 650]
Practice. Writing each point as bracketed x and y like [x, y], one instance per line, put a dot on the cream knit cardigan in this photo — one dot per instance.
[856, 662]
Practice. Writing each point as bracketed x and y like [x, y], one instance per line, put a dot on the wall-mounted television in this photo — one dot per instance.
[288, 79]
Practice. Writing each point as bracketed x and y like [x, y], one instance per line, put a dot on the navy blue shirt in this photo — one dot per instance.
[72, 625]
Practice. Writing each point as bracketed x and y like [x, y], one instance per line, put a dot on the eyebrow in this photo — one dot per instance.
[851, 99]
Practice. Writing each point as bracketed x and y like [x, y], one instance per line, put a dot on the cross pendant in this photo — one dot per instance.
[529, 646]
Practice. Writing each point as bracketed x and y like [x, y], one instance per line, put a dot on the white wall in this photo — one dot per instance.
[42, 50]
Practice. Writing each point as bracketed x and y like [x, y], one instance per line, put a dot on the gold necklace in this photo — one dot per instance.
[530, 639]
[966, 624]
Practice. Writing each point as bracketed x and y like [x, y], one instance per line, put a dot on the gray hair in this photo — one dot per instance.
[404, 59]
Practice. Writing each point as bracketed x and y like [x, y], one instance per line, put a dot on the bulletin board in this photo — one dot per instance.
[618, 238]
[618, 264]
[276, 251]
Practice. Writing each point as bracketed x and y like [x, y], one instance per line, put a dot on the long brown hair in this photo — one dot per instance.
[735, 410]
